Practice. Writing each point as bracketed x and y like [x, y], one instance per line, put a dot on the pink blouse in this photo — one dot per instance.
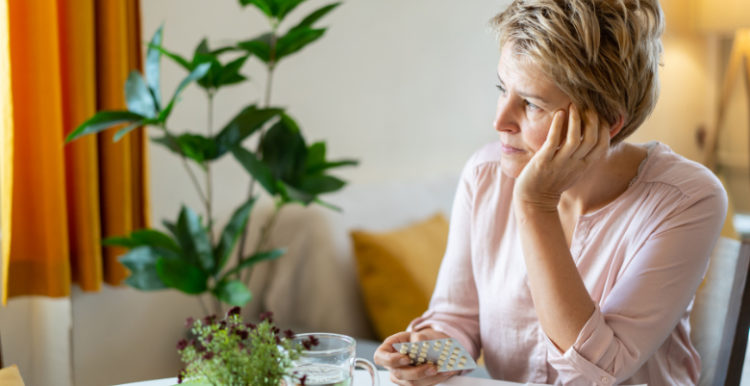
[642, 258]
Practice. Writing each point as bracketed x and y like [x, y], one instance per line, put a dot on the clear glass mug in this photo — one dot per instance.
[331, 362]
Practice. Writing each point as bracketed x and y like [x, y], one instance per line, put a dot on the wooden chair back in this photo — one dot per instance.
[720, 319]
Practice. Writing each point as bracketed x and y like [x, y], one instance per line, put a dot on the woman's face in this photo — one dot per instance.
[527, 104]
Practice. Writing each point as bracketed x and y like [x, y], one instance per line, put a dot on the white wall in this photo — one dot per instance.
[406, 87]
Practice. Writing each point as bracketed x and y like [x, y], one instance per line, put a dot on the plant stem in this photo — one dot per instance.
[265, 233]
[195, 180]
[203, 305]
[207, 165]
[267, 103]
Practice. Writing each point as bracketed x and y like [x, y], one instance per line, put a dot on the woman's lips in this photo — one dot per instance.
[509, 149]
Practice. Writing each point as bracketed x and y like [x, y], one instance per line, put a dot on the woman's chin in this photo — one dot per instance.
[511, 168]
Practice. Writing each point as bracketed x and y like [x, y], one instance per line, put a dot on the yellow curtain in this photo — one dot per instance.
[65, 59]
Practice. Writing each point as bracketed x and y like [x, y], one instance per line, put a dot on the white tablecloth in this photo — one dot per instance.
[362, 378]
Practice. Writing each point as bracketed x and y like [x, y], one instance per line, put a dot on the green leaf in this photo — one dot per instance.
[141, 262]
[256, 168]
[319, 168]
[316, 185]
[260, 47]
[266, 6]
[170, 142]
[202, 48]
[286, 7]
[316, 155]
[153, 66]
[292, 194]
[315, 16]
[284, 152]
[197, 147]
[171, 227]
[101, 121]
[122, 132]
[244, 124]
[296, 40]
[231, 232]
[230, 73]
[124, 242]
[222, 50]
[290, 123]
[233, 292]
[214, 74]
[255, 259]
[182, 275]
[327, 205]
[138, 96]
[316, 160]
[154, 238]
[146, 280]
[197, 73]
[193, 240]
[176, 58]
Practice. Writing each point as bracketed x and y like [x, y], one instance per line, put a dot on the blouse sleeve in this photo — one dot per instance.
[649, 298]
[454, 308]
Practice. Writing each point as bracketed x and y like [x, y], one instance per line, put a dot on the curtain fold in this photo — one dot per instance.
[66, 59]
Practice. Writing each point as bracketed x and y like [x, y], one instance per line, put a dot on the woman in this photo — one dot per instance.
[573, 257]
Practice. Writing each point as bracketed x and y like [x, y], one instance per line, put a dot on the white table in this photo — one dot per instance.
[362, 378]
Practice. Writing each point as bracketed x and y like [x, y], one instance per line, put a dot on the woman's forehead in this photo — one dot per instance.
[520, 71]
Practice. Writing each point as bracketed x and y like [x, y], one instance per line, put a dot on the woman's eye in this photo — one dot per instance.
[502, 90]
[532, 106]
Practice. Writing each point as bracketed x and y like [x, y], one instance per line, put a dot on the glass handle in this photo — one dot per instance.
[367, 365]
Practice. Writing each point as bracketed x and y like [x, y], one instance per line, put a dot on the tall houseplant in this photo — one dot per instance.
[191, 258]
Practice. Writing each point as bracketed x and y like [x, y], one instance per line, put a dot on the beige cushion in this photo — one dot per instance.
[10, 376]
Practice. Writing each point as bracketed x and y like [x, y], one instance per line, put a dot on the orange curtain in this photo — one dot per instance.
[64, 60]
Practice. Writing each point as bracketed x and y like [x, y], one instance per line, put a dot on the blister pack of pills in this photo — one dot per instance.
[445, 354]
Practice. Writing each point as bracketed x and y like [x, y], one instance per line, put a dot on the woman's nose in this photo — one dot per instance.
[505, 120]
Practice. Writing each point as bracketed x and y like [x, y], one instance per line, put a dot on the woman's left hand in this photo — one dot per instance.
[557, 166]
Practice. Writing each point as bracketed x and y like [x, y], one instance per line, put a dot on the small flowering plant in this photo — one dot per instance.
[230, 352]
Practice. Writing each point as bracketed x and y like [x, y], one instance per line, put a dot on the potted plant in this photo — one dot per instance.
[229, 352]
[191, 257]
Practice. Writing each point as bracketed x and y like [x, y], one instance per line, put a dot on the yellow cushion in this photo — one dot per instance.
[398, 271]
[10, 376]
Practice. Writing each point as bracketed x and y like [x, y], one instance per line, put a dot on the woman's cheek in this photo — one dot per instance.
[536, 136]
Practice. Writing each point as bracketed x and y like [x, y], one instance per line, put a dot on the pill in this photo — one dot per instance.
[412, 356]
[448, 342]
[441, 362]
[449, 367]
[430, 363]
[422, 355]
[443, 356]
[420, 360]
[426, 344]
[454, 356]
[452, 362]
[462, 360]
[460, 365]
[456, 349]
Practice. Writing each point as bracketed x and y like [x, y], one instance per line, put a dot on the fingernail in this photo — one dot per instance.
[404, 361]
[431, 371]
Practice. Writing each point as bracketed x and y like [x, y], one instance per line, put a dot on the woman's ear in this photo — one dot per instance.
[616, 126]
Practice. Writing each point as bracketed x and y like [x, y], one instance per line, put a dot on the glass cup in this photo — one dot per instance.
[331, 362]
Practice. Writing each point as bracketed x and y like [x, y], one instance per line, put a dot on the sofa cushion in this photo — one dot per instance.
[398, 271]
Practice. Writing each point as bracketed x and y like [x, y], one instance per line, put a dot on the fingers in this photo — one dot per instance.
[590, 137]
[602, 145]
[550, 146]
[425, 375]
[387, 356]
[573, 139]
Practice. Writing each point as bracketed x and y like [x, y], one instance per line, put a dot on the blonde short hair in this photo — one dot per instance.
[604, 54]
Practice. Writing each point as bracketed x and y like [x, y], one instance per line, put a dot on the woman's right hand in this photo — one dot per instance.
[398, 364]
